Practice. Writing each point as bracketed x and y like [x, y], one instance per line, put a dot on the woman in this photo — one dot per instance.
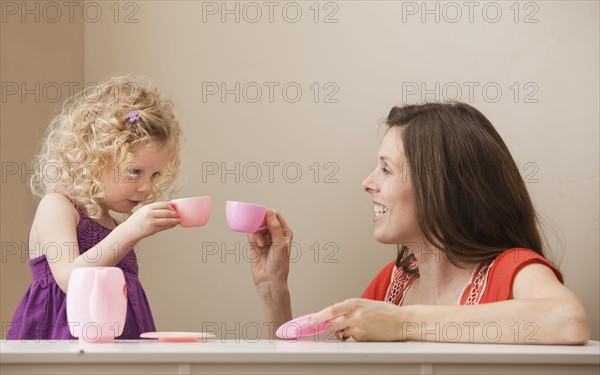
[470, 265]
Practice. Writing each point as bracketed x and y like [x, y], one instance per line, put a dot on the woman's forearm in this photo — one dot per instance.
[533, 321]
[276, 306]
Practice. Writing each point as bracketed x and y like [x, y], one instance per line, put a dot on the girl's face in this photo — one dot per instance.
[391, 188]
[127, 186]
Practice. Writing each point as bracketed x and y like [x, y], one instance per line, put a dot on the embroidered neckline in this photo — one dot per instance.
[401, 281]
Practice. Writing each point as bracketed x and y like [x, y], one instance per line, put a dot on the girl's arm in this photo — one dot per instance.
[55, 236]
[542, 311]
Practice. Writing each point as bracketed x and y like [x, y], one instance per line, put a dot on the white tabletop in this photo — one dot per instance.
[216, 350]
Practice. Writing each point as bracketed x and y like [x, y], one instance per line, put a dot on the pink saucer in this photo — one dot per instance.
[177, 336]
[300, 327]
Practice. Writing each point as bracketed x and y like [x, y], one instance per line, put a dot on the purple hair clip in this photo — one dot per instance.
[133, 116]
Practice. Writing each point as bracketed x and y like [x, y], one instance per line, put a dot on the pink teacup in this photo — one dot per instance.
[194, 211]
[245, 217]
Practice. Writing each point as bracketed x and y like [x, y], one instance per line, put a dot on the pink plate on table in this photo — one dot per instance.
[300, 327]
[177, 336]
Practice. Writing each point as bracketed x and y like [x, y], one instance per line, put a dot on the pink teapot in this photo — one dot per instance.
[96, 303]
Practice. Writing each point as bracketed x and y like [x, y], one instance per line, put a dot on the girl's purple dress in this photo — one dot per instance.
[42, 313]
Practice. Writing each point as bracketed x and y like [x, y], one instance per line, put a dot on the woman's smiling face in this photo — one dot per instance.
[390, 185]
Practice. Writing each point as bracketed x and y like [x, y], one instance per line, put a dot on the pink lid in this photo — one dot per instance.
[300, 327]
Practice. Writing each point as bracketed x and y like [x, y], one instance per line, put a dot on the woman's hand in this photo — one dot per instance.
[150, 219]
[270, 269]
[363, 320]
[271, 252]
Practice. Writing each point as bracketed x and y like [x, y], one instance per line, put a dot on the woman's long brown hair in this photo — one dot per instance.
[470, 199]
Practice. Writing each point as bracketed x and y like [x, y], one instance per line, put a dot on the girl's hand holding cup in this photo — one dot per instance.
[152, 218]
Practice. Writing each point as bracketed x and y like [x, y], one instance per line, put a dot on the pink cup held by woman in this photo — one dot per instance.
[245, 217]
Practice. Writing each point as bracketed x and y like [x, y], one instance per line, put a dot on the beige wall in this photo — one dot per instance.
[367, 61]
[41, 61]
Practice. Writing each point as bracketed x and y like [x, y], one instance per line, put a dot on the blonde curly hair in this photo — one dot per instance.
[94, 130]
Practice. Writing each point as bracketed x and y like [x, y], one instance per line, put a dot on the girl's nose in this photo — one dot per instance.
[145, 186]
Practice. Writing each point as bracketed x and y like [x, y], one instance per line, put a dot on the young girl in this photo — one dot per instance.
[110, 149]
[471, 265]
